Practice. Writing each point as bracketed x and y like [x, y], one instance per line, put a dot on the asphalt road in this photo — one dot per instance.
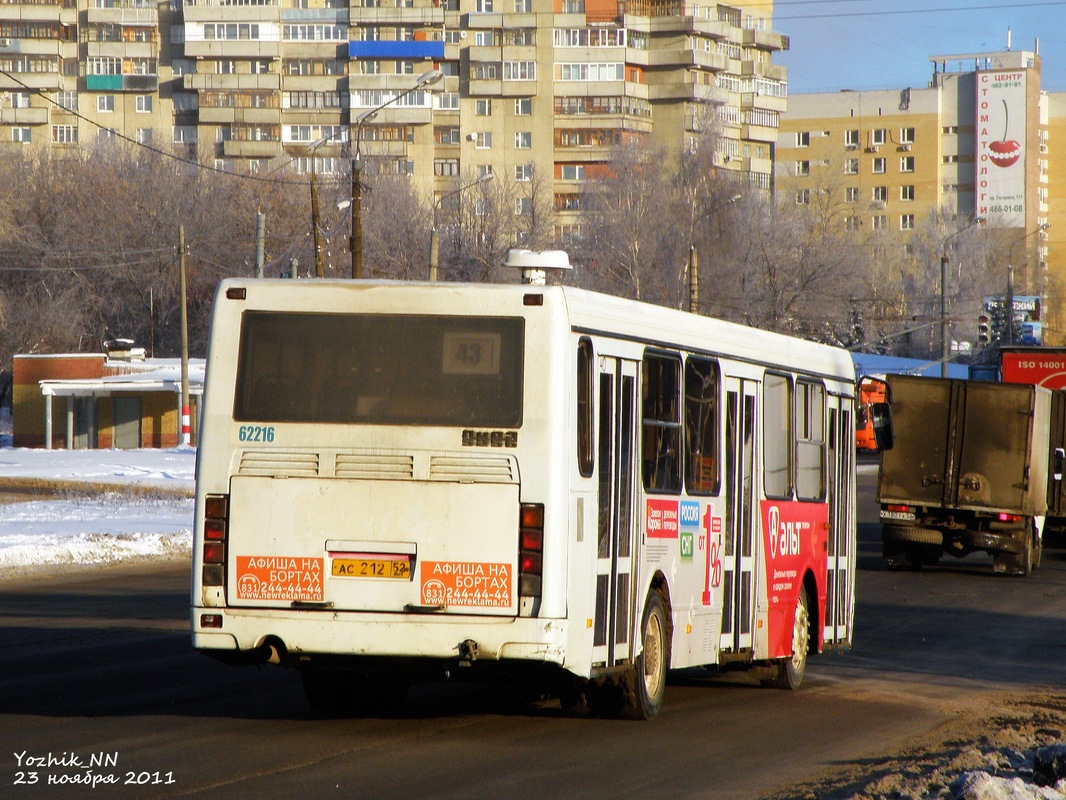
[97, 680]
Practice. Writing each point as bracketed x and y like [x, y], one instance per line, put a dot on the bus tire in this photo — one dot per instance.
[788, 672]
[649, 669]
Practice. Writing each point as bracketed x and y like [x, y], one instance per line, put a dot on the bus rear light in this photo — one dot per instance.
[530, 557]
[215, 527]
[214, 553]
[215, 530]
[210, 620]
[899, 509]
[532, 516]
[530, 564]
[1009, 518]
[531, 539]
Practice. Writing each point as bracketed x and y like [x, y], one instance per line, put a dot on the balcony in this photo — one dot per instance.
[238, 149]
[23, 116]
[396, 16]
[232, 49]
[122, 83]
[408, 50]
[210, 81]
[765, 40]
[148, 17]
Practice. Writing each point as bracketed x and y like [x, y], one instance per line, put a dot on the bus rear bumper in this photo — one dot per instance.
[294, 637]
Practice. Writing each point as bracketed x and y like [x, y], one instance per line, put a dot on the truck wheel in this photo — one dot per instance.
[788, 672]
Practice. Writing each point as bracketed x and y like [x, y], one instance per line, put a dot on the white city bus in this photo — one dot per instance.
[401, 481]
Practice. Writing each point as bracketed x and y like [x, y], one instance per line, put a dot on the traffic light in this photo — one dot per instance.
[983, 331]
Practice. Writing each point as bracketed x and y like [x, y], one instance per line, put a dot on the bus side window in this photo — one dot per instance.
[585, 453]
[810, 441]
[702, 421]
[777, 435]
[661, 428]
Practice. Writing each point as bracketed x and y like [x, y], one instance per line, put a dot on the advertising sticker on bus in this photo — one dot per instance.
[279, 578]
[466, 583]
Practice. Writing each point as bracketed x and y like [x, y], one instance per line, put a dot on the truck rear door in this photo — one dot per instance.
[917, 468]
[994, 460]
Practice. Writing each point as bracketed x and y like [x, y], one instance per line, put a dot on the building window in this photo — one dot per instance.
[852, 223]
[803, 139]
[523, 107]
[105, 103]
[878, 166]
[483, 107]
[523, 205]
[803, 197]
[906, 164]
[572, 172]
[484, 6]
[880, 194]
[519, 70]
[65, 134]
[851, 194]
[906, 193]
[851, 138]
[483, 171]
[523, 140]
[445, 167]
[483, 140]
[906, 222]
[21, 135]
[906, 135]
[878, 136]
[144, 103]
[851, 166]
[803, 168]
[523, 6]
[880, 222]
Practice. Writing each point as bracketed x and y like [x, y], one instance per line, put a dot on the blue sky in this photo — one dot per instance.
[886, 44]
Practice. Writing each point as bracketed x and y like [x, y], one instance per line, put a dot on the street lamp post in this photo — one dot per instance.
[945, 355]
[693, 261]
[423, 80]
[434, 242]
[1010, 280]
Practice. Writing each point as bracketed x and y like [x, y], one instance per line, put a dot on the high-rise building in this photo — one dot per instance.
[545, 86]
[972, 144]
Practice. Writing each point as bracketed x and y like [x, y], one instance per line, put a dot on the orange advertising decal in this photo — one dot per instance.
[279, 578]
[466, 583]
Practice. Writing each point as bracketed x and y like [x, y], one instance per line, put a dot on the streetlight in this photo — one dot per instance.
[1010, 279]
[944, 354]
[693, 263]
[423, 80]
[316, 231]
[434, 244]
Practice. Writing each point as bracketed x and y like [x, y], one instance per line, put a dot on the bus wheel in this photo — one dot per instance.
[788, 672]
[649, 677]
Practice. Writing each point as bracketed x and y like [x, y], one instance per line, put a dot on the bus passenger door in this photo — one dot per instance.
[616, 500]
[841, 556]
[738, 573]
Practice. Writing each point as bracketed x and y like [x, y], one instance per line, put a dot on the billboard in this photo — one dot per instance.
[1001, 137]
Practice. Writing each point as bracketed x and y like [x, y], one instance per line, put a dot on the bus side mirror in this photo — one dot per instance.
[881, 417]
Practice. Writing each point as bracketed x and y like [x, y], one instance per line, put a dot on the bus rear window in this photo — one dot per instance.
[379, 369]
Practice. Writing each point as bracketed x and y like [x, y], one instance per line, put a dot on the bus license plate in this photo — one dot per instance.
[396, 567]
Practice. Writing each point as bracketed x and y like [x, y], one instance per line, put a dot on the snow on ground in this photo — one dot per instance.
[94, 506]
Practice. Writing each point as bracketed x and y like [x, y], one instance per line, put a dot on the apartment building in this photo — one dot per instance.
[972, 143]
[530, 86]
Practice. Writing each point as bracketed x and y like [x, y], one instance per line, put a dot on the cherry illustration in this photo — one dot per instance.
[1005, 152]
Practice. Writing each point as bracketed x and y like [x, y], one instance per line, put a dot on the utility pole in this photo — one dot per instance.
[186, 432]
[260, 242]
